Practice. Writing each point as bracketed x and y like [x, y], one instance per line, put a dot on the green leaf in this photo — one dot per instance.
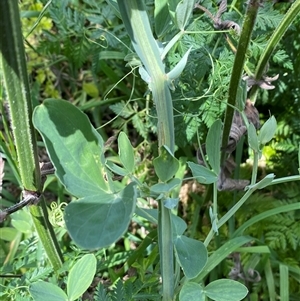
[213, 145]
[90, 89]
[241, 95]
[284, 282]
[150, 215]
[81, 276]
[267, 180]
[126, 152]
[183, 13]
[171, 203]
[257, 218]
[179, 225]
[177, 70]
[74, 146]
[166, 165]
[267, 131]
[162, 17]
[45, 291]
[252, 138]
[22, 221]
[191, 291]
[99, 220]
[191, 255]
[221, 253]
[202, 174]
[8, 234]
[116, 169]
[165, 187]
[226, 290]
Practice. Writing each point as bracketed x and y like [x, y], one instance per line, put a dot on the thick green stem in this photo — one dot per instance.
[17, 88]
[136, 22]
[46, 234]
[238, 68]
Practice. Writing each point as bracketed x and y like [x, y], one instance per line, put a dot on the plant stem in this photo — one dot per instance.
[137, 24]
[237, 70]
[228, 215]
[17, 88]
[46, 233]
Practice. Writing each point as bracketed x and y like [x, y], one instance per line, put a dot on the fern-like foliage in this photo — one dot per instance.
[267, 17]
[126, 291]
[281, 232]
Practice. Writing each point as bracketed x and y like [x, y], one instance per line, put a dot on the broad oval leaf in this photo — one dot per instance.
[191, 291]
[74, 146]
[46, 291]
[126, 152]
[81, 276]
[226, 290]
[213, 145]
[165, 165]
[267, 131]
[202, 174]
[100, 220]
[191, 255]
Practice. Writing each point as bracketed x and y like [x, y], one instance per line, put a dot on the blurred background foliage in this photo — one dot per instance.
[78, 50]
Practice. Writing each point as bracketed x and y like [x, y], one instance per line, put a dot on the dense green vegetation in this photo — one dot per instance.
[121, 105]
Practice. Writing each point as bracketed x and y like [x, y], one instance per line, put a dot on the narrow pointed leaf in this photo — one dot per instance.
[221, 253]
[267, 131]
[165, 187]
[267, 180]
[202, 174]
[116, 169]
[126, 152]
[177, 70]
[252, 138]
[213, 145]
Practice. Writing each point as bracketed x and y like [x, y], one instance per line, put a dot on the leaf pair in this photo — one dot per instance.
[266, 133]
[79, 280]
[101, 214]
